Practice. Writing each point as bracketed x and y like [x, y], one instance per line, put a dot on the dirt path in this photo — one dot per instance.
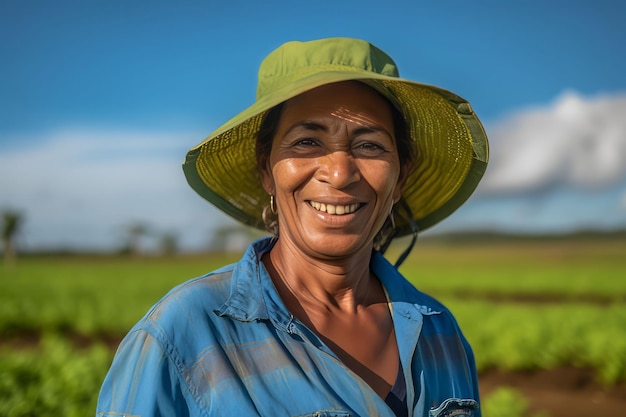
[563, 392]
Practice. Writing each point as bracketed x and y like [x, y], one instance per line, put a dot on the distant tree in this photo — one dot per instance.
[136, 232]
[168, 243]
[11, 223]
[233, 238]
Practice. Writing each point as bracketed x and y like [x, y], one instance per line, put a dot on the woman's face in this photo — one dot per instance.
[334, 169]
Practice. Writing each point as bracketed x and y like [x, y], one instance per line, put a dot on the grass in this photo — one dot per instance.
[108, 295]
[89, 296]
[592, 270]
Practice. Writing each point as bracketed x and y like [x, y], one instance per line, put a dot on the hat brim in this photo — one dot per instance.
[452, 151]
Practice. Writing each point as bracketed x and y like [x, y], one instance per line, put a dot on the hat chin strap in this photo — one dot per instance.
[414, 231]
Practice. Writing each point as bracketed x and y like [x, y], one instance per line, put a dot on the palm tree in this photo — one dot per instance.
[11, 223]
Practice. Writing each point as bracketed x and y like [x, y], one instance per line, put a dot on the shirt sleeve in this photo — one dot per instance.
[142, 381]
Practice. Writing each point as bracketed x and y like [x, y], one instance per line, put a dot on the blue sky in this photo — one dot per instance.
[100, 100]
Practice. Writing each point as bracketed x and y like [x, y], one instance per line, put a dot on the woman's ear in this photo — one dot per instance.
[404, 174]
[267, 179]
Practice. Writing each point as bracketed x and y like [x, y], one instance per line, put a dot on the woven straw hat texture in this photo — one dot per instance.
[452, 148]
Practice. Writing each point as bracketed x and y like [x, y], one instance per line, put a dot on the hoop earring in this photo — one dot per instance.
[393, 221]
[272, 204]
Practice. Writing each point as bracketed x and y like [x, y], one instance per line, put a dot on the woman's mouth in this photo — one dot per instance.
[335, 209]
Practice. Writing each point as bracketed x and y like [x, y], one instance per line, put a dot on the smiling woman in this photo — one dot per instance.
[336, 158]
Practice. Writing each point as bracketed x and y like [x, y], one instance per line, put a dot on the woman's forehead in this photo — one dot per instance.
[348, 101]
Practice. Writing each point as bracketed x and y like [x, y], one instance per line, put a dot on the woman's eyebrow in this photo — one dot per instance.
[306, 125]
[370, 129]
[315, 126]
[363, 121]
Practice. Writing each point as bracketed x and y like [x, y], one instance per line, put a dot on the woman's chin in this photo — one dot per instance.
[335, 246]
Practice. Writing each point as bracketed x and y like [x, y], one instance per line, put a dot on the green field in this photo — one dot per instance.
[523, 305]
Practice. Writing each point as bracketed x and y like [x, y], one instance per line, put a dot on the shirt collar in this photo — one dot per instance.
[404, 297]
[253, 295]
[248, 285]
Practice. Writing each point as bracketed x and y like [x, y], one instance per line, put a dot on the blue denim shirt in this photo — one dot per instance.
[225, 345]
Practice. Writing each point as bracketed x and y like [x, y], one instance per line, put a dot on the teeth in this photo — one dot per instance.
[333, 209]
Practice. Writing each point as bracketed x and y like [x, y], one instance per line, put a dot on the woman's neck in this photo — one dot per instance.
[344, 284]
[344, 304]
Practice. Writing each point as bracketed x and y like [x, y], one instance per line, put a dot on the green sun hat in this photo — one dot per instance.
[452, 147]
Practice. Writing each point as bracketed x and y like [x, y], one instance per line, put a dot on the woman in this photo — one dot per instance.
[337, 157]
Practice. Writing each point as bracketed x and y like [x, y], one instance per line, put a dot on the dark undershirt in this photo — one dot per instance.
[396, 399]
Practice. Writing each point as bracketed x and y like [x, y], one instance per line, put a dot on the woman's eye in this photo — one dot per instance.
[370, 148]
[305, 142]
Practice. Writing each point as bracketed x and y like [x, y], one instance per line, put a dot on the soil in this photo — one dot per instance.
[563, 392]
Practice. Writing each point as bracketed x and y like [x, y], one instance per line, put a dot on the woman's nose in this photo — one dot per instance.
[338, 169]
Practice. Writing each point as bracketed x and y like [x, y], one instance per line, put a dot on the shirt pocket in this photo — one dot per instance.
[455, 407]
[327, 413]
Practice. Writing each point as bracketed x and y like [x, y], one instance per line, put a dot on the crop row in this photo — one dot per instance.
[530, 337]
[55, 379]
[51, 298]
[108, 295]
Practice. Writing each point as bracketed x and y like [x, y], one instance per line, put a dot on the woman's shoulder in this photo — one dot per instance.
[186, 319]
[192, 305]
[204, 294]
[195, 297]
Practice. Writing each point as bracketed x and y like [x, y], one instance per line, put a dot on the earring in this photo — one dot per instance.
[393, 221]
[272, 204]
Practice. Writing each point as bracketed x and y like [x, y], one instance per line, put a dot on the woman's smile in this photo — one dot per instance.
[335, 209]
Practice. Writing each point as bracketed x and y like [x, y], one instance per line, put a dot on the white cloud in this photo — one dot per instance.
[84, 188]
[575, 142]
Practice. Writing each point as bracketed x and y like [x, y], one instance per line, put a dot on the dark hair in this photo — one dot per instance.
[263, 148]
[407, 154]
[265, 137]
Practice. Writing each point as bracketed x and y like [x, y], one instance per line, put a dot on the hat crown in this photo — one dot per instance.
[295, 60]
